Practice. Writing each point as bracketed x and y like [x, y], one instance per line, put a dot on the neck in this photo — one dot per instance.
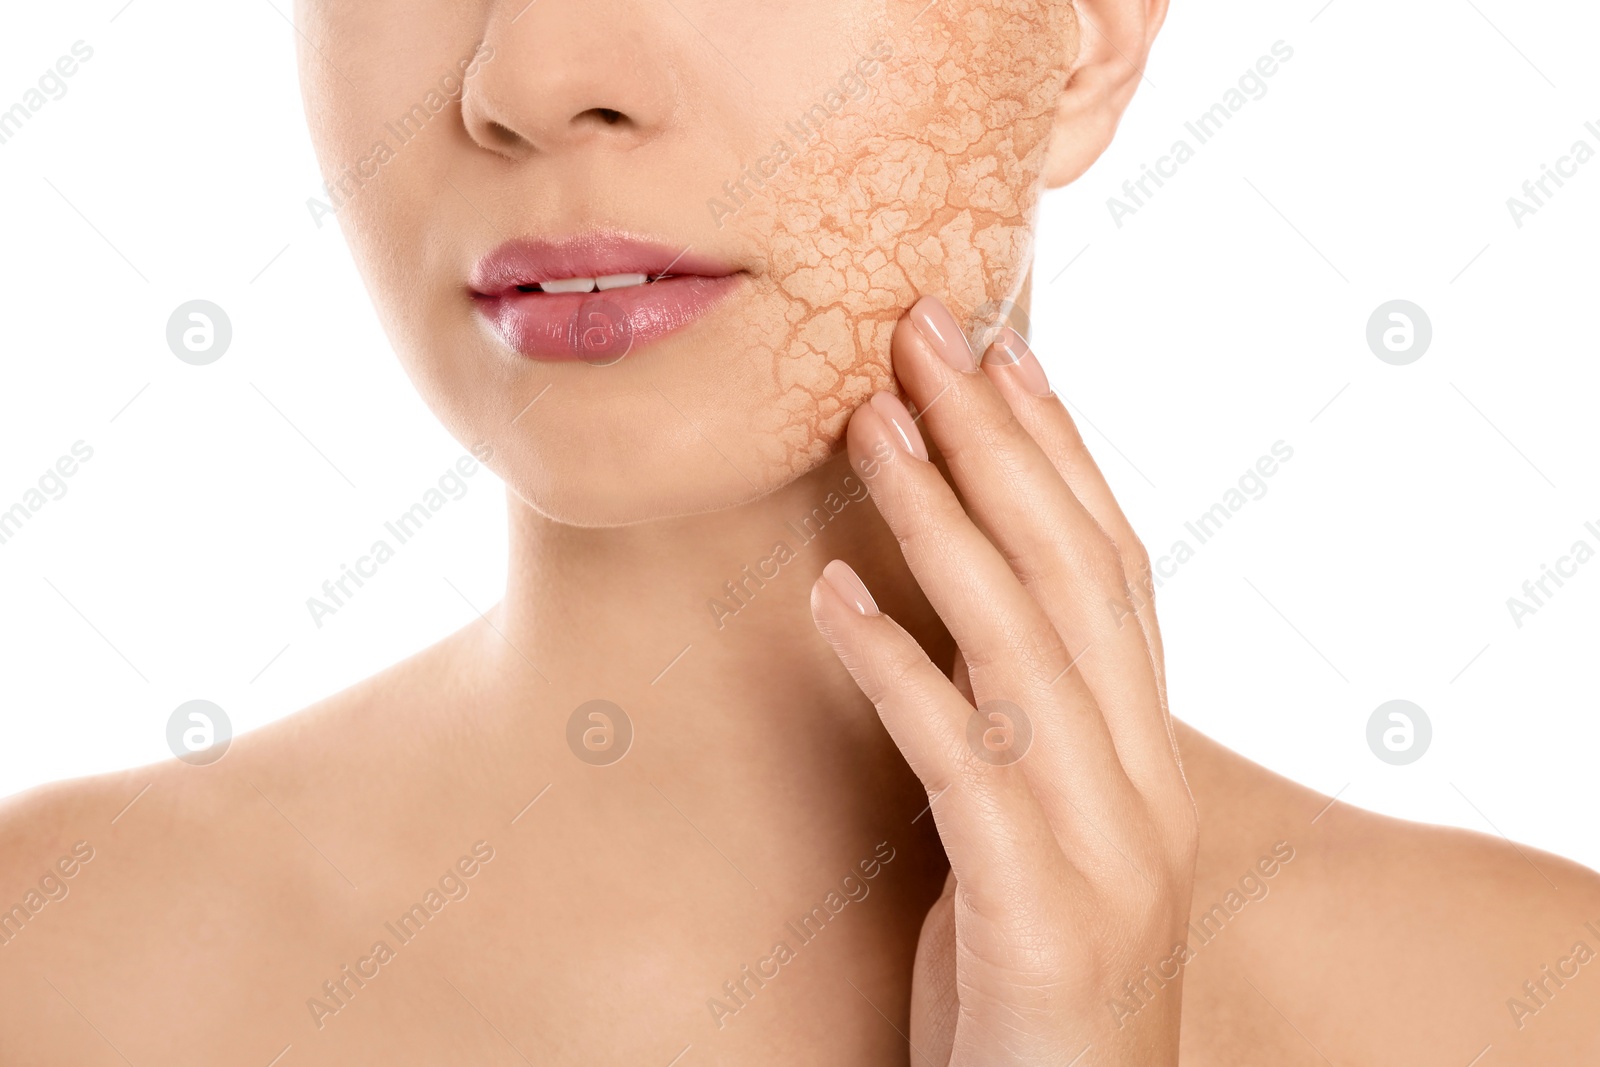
[707, 604]
[700, 630]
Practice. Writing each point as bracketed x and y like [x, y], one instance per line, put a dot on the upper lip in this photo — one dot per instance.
[530, 261]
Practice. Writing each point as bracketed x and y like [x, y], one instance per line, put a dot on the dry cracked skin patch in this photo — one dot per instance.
[925, 184]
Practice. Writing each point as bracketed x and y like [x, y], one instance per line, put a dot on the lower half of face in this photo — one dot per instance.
[652, 254]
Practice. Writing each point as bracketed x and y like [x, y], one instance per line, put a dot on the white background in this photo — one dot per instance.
[1225, 315]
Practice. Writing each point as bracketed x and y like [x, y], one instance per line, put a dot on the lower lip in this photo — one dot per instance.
[601, 327]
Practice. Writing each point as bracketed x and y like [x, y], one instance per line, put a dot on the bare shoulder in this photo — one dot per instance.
[125, 866]
[47, 838]
[226, 881]
[1381, 941]
[67, 850]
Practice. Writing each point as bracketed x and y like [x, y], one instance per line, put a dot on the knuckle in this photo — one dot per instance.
[1135, 560]
[1100, 548]
[1139, 575]
[1018, 655]
[1101, 561]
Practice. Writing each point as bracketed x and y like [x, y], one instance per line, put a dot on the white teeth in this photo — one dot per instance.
[589, 285]
[568, 285]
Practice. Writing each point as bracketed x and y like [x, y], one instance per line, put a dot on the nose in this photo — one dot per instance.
[564, 73]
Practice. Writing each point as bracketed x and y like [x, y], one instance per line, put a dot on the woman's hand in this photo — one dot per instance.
[1050, 757]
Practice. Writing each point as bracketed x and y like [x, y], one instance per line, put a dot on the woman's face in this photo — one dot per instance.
[785, 178]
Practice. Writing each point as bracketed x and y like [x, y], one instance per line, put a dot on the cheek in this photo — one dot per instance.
[926, 184]
[382, 102]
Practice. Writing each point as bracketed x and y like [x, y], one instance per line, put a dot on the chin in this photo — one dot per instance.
[620, 471]
[604, 499]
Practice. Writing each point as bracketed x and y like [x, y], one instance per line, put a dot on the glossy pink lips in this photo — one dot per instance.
[598, 327]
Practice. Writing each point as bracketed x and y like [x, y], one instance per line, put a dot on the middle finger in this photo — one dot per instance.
[1051, 541]
[1011, 648]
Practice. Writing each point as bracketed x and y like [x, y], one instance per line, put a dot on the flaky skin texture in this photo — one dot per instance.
[930, 184]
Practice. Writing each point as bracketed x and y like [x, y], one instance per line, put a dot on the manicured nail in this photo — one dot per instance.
[849, 586]
[938, 327]
[901, 425]
[1015, 354]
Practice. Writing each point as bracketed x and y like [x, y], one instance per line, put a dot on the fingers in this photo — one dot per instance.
[1057, 549]
[1011, 365]
[1012, 650]
[992, 826]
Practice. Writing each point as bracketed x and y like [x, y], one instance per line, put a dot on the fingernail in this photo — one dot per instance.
[849, 586]
[904, 428]
[1016, 355]
[938, 327]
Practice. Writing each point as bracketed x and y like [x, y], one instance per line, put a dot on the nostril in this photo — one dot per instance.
[503, 135]
[605, 114]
